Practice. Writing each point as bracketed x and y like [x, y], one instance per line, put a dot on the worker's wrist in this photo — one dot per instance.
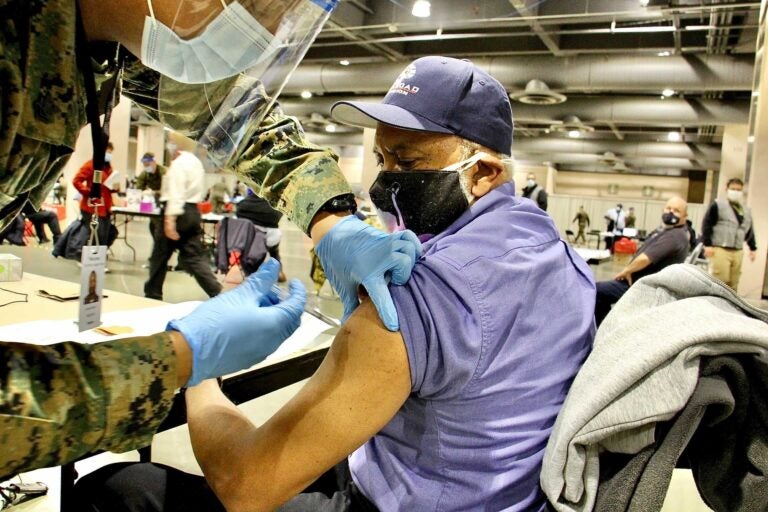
[323, 223]
[183, 357]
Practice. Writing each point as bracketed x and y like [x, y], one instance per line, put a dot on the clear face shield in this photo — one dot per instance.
[223, 63]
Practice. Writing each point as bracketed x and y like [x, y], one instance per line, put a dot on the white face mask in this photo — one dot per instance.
[233, 42]
[149, 169]
[735, 196]
[107, 157]
[531, 183]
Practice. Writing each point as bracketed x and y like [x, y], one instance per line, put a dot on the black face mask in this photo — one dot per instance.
[669, 219]
[426, 202]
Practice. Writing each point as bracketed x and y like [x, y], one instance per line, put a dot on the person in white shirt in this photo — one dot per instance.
[616, 219]
[181, 190]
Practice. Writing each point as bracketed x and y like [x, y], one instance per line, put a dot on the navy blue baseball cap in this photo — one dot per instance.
[442, 95]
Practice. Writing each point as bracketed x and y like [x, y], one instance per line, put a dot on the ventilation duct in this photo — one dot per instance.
[608, 158]
[571, 123]
[622, 110]
[585, 73]
[620, 166]
[537, 93]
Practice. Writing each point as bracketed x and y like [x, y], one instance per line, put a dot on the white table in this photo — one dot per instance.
[43, 321]
[128, 214]
[593, 256]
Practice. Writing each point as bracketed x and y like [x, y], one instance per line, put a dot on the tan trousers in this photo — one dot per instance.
[725, 265]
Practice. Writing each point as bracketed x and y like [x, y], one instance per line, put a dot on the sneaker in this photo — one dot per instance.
[106, 270]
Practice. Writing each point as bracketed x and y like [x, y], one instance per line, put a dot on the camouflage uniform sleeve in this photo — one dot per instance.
[294, 175]
[60, 402]
[142, 180]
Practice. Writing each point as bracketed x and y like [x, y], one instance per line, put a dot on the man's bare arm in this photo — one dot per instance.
[361, 384]
[635, 265]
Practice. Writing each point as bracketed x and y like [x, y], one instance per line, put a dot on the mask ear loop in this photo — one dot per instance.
[394, 189]
[467, 163]
[151, 12]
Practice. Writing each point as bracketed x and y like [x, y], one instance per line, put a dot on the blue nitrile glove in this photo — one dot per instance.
[354, 253]
[239, 328]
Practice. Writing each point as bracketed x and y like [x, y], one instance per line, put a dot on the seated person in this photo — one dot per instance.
[14, 232]
[666, 246]
[452, 412]
[39, 219]
[266, 219]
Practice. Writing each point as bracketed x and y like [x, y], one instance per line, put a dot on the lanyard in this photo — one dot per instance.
[99, 132]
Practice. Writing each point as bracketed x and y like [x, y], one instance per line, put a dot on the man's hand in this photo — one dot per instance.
[169, 227]
[354, 253]
[752, 255]
[239, 328]
[709, 252]
[624, 275]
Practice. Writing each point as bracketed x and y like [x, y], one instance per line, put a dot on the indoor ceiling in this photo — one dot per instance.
[647, 88]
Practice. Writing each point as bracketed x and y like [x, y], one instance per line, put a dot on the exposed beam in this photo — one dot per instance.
[530, 18]
[676, 34]
[367, 42]
[361, 5]
[615, 131]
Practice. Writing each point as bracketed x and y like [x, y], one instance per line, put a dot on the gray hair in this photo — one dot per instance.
[469, 148]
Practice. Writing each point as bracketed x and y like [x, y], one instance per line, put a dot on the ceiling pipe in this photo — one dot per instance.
[625, 149]
[584, 73]
[647, 162]
[675, 173]
[624, 110]
[674, 155]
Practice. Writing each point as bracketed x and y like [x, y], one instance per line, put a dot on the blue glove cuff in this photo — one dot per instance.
[194, 378]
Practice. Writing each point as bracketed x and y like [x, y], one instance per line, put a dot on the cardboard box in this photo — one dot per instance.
[10, 268]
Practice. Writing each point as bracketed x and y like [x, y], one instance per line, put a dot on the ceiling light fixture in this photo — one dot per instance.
[571, 125]
[344, 62]
[421, 9]
[306, 95]
[674, 136]
[330, 128]
[664, 54]
[537, 93]
[668, 92]
[644, 3]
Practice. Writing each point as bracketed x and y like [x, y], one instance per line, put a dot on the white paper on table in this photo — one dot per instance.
[310, 334]
[143, 321]
[112, 180]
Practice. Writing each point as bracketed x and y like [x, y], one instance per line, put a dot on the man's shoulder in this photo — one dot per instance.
[511, 228]
[674, 238]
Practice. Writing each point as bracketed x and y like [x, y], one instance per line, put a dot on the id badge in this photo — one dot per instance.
[94, 261]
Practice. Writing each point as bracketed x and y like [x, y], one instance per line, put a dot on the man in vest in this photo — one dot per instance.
[727, 225]
[535, 192]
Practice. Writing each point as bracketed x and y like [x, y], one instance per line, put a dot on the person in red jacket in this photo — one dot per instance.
[83, 181]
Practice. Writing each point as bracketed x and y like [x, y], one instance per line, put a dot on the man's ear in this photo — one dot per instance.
[490, 173]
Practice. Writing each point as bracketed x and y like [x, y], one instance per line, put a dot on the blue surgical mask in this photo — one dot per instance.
[107, 157]
[233, 42]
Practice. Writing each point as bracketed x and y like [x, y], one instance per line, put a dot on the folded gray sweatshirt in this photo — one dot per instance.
[643, 369]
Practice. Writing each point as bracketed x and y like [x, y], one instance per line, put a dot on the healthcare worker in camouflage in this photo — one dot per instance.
[210, 69]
